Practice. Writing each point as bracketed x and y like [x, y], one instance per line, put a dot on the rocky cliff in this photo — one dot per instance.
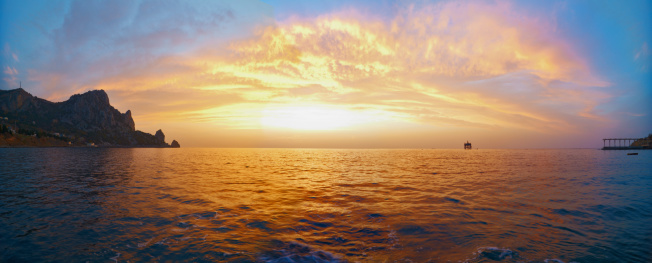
[160, 137]
[19, 100]
[92, 111]
[87, 117]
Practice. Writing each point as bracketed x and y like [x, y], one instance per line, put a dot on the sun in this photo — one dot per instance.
[310, 118]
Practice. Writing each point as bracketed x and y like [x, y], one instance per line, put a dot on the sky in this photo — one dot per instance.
[345, 74]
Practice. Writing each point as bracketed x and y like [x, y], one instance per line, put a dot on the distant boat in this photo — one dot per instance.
[467, 146]
[632, 153]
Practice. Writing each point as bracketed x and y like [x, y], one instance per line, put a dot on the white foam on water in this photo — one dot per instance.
[145, 243]
[493, 253]
[504, 252]
[298, 252]
[116, 257]
[162, 241]
[500, 254]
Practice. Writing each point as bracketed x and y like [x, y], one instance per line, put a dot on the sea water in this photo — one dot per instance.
[324, 205]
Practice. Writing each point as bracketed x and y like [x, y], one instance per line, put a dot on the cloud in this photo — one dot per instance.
[642, 56]
[11, 53]
[643, 52]
[10, 76]
[99, 40]
[468, 65]
[10, 71]
[451, 39]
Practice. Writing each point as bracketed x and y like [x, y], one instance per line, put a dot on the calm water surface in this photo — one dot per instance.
[317, 205]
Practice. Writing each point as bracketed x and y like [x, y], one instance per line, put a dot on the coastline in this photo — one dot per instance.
[117, 146]
[26, 141]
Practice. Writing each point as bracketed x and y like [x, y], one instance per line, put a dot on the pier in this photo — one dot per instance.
[625, 143]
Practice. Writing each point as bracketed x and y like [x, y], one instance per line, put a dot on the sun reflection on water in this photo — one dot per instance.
[328, 205]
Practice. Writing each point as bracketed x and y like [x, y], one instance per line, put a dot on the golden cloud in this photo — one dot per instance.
[463, 64]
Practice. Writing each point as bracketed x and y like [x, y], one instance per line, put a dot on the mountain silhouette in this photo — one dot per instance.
[83, 119]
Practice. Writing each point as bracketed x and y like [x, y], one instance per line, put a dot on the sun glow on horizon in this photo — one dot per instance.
[313, 118]
[282, 73]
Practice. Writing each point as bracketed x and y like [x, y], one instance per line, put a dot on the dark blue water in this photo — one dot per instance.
[317, 205]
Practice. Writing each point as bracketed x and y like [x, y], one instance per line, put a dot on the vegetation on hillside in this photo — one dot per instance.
[643, 142]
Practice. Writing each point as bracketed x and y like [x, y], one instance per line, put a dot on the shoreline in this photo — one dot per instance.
[26, 146]
[624, 148]
[26, 141]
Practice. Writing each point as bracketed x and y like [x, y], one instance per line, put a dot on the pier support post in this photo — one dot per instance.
[625, 143]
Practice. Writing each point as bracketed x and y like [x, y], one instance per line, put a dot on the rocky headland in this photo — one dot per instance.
[86, 119]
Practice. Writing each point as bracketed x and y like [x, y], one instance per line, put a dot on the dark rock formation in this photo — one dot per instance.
[18, 100]
[160, 137]
[88, 115]
[175, 144]
[92, 111]
[129, 121]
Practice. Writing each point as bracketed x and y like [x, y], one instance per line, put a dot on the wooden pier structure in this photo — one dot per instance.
[625, 143]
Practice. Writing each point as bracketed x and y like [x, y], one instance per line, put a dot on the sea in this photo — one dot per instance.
[324, 205]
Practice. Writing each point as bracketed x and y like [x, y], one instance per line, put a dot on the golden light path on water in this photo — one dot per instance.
[321, 205]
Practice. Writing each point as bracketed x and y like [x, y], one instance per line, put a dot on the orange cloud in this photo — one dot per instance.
[452, 64]
[460, 60]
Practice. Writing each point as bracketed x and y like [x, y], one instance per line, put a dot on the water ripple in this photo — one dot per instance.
[296, 205]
